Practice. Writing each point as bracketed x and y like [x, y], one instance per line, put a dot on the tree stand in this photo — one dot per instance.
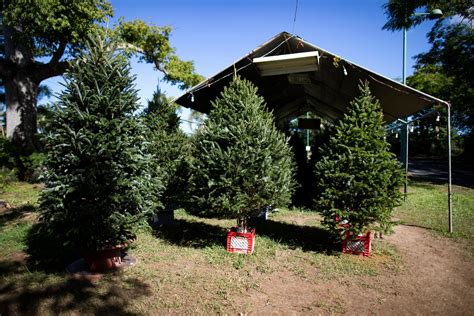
[357, 244]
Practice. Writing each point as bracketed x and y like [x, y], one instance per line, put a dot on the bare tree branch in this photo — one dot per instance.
[59, 52]
[45, 71]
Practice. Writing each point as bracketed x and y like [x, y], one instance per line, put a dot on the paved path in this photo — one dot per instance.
[437, 170]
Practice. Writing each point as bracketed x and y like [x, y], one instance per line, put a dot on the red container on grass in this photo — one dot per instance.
[103, 260]
[357, 244]
[241, 242]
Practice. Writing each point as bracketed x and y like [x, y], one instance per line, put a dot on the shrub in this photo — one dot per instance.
[25, 166]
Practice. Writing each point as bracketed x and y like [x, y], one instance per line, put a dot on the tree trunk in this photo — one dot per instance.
[21, 91]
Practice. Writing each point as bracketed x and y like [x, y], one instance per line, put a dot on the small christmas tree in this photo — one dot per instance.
[241, 162]
[168, 145]
[98, 188]
[357, 178]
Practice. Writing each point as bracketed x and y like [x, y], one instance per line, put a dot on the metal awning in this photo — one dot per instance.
[295, 77]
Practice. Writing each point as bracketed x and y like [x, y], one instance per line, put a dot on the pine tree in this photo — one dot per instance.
[168, 145]
[241, 162]
[98, 188]
[357, 178]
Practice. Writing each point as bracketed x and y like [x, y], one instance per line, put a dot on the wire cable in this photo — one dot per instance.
[294, 19]
[207, 83]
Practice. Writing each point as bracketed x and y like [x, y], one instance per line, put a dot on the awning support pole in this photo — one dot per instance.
[404, 136]
[407, 135]
[450, 194]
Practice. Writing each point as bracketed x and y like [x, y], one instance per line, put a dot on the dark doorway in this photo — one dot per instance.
[307, 134]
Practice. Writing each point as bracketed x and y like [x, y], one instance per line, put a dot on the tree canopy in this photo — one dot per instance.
[446, 70]
[400, 13]
[42, 37]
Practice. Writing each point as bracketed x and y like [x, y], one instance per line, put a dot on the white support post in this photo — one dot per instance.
[404, 138]
[407, 136]
[450, 194]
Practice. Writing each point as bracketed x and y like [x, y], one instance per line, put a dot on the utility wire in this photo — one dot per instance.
[206, 83]
[294, 19]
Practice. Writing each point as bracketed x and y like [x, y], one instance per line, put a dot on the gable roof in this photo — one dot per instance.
[291, 86]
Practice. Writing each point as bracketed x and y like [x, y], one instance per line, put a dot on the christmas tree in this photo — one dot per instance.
[168, 146]
[98, 188]
[358, 179]
[241, 162]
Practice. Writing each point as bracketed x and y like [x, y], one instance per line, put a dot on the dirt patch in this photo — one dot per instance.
[300, 218]
[434, 278]
[15, 215]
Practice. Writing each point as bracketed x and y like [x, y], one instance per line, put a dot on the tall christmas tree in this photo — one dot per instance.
[98, 188]
[357, 178]
[168, 146]
[241, 162]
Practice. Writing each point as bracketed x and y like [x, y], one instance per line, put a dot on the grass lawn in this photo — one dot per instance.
[185, 268]
[427, 206]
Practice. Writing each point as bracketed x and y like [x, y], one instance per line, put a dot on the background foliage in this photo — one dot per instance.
[446, 69]
[169, 147]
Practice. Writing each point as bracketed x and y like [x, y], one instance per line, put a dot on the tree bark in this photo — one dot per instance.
[21, 91]
[22, 76]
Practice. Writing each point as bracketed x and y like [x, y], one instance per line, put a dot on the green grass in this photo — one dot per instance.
[12, 238]
[427, 206]
[19, 193]
[16, 221]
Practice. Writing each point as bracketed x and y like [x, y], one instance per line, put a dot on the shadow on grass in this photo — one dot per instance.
[34, 293]
[425, 182]
[308, 238]
[457, 179]
[36, 283]
[199, 235]
[47, 252]
[16, 213]
[192, 234]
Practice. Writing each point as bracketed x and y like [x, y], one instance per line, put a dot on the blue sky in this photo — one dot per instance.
[215, 33]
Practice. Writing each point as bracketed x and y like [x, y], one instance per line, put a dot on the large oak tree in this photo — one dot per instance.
[43, 36]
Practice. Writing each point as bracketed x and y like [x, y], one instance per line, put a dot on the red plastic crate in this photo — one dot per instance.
[241, 242]
[358, 245]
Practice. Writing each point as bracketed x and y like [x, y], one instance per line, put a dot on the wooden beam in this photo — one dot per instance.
[287, 111]
[324, 110]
